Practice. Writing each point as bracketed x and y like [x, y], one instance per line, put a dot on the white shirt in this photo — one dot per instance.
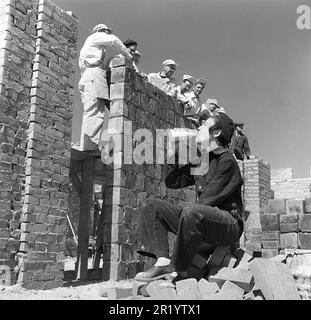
[100, 48]
[168, 85]
[195, 104]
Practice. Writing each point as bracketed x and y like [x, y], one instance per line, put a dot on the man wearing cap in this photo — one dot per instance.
[215, 219]
[239, 144]
[97, 52]
[213, 107]
[131, 45]
[195, 103]
[182, 89]
[164, 80]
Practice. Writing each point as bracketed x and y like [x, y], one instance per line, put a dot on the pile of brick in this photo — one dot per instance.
[285, 225]
[226, 276]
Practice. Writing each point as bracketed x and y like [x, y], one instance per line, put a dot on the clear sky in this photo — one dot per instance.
[256, 61]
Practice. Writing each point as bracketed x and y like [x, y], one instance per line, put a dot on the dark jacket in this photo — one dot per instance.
[239, 146]
[220, 187]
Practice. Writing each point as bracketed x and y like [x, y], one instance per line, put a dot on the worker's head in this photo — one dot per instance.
[187, 83]
[216, 131]
[137, 56]
[169, 67]
[239, 126]
[199, 86]
[131, 45]
[102, 28]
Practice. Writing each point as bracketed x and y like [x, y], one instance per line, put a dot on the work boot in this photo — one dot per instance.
[155, 273]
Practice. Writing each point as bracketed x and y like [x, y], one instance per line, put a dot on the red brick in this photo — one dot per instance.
[304, 240]
[273, 244]
[289, 240]
[270, 235]
[307, 205]
[294, 206]
[252, 247]
[269, 253]
[276, 206]
[304, 223]
[288, 227]
[270, 222]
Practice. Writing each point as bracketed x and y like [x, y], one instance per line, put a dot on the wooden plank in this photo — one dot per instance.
[99, 233]
[85, 207]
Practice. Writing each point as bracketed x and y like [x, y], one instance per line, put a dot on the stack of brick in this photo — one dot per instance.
[256, 193]
[146, 107]
[38, 50]
[285, 225]
[285, 186]
[48, 155]
[17, 48]
[244, 279]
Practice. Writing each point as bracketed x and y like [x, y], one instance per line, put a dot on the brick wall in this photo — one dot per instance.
[256, 193]
[147, 107]
[286, 224]
[38, 48]
[285, 186]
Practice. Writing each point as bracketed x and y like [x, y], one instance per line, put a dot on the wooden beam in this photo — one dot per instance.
[75, 181]
[99, 233]
[85, 207]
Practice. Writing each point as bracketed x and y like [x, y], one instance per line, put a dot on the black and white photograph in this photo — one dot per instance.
[155, 150]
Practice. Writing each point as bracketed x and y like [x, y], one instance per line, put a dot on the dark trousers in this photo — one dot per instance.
[193, 225]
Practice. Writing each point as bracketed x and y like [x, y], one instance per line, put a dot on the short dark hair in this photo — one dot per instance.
[226, 125]
[130, 42]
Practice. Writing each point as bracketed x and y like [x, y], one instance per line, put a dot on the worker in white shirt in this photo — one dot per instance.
[185, 87]
[95, 56]
[164, 80]
[195, 103]
[213, 107]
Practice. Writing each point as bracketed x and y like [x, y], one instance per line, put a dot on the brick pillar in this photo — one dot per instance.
[17, 49]
[256, 194]
[146, 107]
[48, 151]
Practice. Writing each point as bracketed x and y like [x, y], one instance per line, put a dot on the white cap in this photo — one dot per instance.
[168, 62]
[100, 27]
[212, 101]
[202, 81]
[188, 77]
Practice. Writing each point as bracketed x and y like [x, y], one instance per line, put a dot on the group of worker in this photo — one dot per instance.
[94, 62]
[217, 216]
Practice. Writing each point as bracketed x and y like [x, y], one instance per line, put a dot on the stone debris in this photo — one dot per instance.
[251, 279]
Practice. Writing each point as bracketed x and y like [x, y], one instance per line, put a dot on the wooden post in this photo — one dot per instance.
[99, 233]
[85, 207]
